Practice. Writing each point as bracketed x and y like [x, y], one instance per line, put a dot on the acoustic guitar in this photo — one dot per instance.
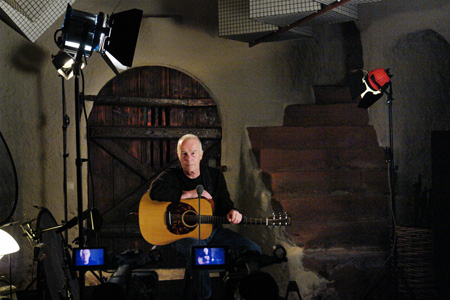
[162, 223]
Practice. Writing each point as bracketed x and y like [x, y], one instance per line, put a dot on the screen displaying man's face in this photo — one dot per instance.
[85, 254]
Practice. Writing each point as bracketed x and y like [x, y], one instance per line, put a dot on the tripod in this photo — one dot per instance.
[392, 179]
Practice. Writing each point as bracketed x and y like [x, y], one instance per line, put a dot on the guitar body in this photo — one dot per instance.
[162, 223]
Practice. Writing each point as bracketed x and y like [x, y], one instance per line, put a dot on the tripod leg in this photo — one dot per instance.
[292, 287]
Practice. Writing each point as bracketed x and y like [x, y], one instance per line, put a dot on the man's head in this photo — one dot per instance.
[85, 254]
[190, 153]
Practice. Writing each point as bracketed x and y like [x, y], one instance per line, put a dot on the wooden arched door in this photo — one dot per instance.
[134, 125]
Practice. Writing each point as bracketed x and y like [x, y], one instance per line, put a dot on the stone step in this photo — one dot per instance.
[280, 160]
[324, 209]
[346, 114]
[279, 137]
[350, 271]
[317, 235]
[331, 94]
[327, 182]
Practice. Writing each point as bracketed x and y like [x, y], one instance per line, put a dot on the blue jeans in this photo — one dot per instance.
[220, 236]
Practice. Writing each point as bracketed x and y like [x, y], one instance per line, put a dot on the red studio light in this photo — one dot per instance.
[367, 87]
[378, 79]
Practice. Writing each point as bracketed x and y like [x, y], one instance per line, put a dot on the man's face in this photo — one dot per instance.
[85, 254]
[190, 156]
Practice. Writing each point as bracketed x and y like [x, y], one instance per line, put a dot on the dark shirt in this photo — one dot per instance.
[169, 185]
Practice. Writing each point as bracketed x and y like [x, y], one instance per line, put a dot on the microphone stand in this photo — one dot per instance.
[199, 190]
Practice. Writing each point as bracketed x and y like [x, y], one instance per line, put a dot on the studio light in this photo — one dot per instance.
[367, 87]
[8, 244]
[63, 62]
[113, 36]
[71, 33]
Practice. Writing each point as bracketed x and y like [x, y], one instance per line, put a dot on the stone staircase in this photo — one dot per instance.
[325, 168]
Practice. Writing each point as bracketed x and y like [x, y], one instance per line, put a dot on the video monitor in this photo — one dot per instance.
[88, 258]
[209, 257]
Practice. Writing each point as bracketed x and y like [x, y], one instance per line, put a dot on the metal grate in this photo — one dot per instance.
[234, 19]
[236, 23]
[284, 13]
[247, 20]
[344, 13]
[287, 12]
[364, 1]
[31, 18]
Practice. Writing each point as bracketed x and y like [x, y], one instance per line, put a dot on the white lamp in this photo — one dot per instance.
[8, 244]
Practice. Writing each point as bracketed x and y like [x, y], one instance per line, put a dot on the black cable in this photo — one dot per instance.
[116, 6]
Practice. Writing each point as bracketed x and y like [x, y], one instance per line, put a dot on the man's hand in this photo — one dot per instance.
[193, 194]
[234, 217]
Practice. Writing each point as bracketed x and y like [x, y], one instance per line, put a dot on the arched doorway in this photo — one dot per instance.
[134, 125]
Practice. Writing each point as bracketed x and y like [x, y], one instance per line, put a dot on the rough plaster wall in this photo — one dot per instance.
[30, 122]
[422, 63]
[417, 53]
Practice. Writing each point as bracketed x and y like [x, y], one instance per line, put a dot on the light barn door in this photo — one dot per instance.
[134, 125]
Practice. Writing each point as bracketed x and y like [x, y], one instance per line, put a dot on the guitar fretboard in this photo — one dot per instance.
[281, 221]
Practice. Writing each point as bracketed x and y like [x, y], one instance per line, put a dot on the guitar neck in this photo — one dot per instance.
[224, 220]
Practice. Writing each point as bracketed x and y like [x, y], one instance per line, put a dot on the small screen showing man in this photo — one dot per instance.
[89, 257]
[210, 256]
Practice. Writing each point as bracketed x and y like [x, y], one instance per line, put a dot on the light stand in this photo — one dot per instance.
[389, 151]
[392, 168]
[368, 87]
[65, 122]
[82, 34]
[8, 245]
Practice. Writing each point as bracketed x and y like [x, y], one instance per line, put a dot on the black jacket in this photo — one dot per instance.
[170, 183]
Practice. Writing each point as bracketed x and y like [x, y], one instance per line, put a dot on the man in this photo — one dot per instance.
[85, 254]
[204, 258]
[181, 183]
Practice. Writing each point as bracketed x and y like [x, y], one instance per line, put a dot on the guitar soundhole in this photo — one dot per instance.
[183, 218]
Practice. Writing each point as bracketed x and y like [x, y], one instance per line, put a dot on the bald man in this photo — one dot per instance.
[181, 182]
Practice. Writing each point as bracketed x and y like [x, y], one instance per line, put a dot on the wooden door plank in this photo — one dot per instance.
[126, 205]
[144, 101]
[152, 132]
[125, 158]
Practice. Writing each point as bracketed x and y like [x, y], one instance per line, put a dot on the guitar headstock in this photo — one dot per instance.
[280, 219]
